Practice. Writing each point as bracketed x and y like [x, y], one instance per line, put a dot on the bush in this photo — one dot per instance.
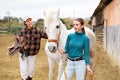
[14, 30]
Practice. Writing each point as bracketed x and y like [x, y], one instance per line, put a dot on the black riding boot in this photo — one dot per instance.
[29, 78]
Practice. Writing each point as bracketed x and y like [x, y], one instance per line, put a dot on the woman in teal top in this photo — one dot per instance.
[78, 48]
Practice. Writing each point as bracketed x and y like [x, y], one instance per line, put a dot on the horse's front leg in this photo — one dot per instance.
[60, 70]
[51, 68]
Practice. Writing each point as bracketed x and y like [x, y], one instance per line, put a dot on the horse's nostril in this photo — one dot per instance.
[54, 48]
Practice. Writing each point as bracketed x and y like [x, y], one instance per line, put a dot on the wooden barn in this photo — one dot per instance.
[106, 19]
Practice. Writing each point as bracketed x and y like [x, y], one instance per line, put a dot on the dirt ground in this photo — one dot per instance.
[9, 66]
[105, 68]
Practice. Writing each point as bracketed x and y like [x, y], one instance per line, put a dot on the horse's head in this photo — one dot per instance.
[52, 27]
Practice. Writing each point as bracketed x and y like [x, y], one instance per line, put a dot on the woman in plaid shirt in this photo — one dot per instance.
[32, 37]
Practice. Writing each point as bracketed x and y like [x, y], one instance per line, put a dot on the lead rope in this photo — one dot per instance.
[58, 38]
[65, 76]
[64, 71]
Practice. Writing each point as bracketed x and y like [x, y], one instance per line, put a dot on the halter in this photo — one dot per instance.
[56, 40]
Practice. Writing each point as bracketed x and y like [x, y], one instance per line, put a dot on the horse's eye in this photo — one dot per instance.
[57, 26]
[45, 28]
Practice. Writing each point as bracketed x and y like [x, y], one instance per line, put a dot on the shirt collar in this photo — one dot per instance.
[79, 33]
[28, 28]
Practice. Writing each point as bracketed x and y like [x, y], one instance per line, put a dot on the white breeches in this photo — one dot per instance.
[27, 66]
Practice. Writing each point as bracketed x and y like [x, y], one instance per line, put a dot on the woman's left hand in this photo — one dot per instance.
[61, 50]
[89, 70]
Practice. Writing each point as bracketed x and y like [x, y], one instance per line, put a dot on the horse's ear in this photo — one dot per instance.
[58, 12]
[44, 13]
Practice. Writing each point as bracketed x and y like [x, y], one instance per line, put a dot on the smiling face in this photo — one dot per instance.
[77, 26]
[28, 23]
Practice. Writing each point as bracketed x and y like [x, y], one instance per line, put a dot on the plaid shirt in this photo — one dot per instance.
[33, 37]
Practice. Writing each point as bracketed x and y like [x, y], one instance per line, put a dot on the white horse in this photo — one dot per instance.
[57, 35]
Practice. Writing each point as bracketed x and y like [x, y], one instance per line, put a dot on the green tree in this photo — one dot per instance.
[1, 23]
[68, 22]
[40, 24]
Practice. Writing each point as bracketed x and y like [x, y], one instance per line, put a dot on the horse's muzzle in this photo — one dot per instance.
[52, 49]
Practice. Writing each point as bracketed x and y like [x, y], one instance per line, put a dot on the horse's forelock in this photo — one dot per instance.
[51, 21]
[51, 17]
[52, 14]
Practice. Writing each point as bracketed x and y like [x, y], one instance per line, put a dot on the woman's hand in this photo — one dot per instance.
[89, 70]
[61, 50]
[63, 54]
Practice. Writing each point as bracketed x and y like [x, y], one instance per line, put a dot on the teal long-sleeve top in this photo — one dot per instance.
[78, 45]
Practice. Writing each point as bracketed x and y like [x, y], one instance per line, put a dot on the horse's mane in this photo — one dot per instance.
[62, 21]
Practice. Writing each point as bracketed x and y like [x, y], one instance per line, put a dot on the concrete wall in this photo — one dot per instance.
[112, 31]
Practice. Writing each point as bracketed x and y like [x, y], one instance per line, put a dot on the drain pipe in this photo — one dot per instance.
[105, 26]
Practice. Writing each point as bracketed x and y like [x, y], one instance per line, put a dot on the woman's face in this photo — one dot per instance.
[77, 26]
[29, 23]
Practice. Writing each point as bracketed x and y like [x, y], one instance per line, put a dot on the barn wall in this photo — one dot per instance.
[112, 40]
[111, 13]
[97, 23]
[111, 18]
[112, 31]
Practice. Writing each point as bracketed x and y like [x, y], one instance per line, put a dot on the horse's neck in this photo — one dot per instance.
[63, 35]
